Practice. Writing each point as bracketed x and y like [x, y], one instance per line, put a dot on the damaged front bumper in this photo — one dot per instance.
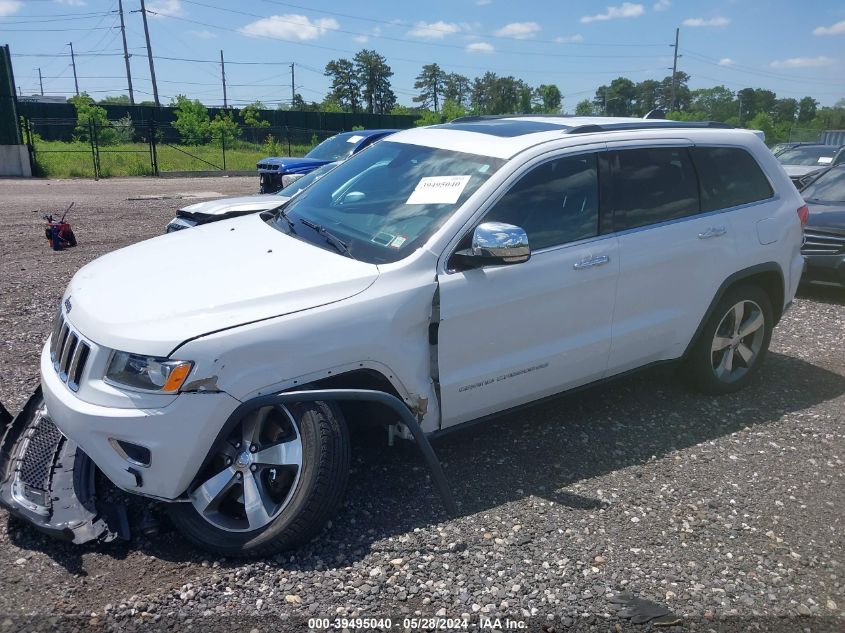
[49, 482]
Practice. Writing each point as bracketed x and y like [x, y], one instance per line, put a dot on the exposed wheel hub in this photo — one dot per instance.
[244, 460]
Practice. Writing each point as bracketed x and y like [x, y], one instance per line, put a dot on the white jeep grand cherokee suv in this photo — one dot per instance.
[458, 270]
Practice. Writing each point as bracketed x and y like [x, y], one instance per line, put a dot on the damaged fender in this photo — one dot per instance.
[49, 482]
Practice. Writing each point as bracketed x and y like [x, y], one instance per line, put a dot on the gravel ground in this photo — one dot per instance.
[727, 510]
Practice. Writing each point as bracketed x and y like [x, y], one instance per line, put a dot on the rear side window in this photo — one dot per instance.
[729, 177]
[652, 185]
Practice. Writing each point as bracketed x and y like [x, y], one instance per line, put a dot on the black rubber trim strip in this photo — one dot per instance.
[350, 395]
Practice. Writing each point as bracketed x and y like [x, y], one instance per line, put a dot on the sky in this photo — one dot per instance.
[793, 48]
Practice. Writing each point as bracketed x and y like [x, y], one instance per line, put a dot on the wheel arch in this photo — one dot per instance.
[768, 276]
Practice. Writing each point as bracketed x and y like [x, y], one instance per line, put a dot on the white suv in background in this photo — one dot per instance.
[460, 270]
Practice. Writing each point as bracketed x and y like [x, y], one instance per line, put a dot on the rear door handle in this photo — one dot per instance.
[591, 262]
[713, 231]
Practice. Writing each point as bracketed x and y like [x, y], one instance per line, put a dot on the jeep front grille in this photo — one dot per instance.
[818, 242]
[68, 352]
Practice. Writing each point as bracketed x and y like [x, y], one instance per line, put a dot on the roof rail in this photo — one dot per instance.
[469, 118]
[650, 124]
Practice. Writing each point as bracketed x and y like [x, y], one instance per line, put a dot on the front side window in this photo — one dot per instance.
[384, 203]
[729, 177]
[652, 185]
[555, 203]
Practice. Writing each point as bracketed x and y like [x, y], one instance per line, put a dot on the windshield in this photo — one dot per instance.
[808, 156]
[829, 187]
[300, 183]
[337, 147]
[385, 202]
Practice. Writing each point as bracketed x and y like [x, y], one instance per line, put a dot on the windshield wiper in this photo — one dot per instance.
[331, 238]
[281, 213]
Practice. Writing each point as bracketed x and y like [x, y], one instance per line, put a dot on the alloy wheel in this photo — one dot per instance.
[738, 341]
[254, 473]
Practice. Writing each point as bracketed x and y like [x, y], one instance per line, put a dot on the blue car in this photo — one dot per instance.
[337, 148]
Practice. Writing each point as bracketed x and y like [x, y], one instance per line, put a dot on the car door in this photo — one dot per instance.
[511, 334]
[672, 257]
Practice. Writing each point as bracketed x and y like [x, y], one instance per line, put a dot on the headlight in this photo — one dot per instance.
[149, 373]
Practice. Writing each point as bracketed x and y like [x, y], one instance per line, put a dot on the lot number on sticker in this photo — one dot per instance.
[438, 190]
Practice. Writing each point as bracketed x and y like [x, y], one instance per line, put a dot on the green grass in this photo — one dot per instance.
[56, 159]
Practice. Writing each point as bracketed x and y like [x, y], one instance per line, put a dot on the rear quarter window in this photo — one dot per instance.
[729, 177]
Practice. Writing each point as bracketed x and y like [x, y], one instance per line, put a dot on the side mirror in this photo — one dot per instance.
[494, 244]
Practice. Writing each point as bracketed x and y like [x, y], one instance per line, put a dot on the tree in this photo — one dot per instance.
[346, 86]
[585, 108]
[617, 99]
[682, 92]
[457, 88]
[224, 128]
[192, 121]
[713, 104]
[647, 96]
[251, 115]
[115, 100]
[549, 97]
[807, 109]
[89, 114]
[785, 111]
[430, 82]
[374, 77]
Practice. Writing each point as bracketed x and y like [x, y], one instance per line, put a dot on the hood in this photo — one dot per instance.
[226, 206]
[830, 217]
[150, 297]
[287, 165]
[801, 170]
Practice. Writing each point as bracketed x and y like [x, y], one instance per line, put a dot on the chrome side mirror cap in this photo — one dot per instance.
[494, 244]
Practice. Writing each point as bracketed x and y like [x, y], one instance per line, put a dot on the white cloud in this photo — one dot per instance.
[833, 29]
[434, 30]
[71, 3]
[480, 47]
[662, 5]
[803, 62]
[625, 10]
[718, 21]
[8, 7]
[569, 39]
[483, 3]
[726, 61]
[519, 30]
[165, 9]
[203, 35]
[361, 39]
[290, 26]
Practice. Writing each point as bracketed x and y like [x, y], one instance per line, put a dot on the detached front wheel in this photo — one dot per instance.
[272, 484]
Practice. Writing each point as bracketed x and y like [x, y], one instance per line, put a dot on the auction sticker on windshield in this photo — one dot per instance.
[355, 138]
[438, 190]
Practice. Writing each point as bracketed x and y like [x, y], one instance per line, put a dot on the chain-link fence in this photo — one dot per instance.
[66, 148]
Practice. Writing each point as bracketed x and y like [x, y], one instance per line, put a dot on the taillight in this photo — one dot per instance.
[804, 214]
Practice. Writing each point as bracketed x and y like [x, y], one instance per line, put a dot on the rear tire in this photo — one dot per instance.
[268, 504]
[734, 342]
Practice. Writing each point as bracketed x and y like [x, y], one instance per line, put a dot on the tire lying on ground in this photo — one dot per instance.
[271, 484]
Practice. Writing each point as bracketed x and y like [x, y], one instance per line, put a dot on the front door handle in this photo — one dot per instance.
[713, 231]
[591, 262]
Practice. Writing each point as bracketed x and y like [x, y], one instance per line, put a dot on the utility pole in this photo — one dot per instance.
[40, 82]
[675, 70]
[150, 54]
[292, 86]
[73, 63]
[125, 53]
[223, 73]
